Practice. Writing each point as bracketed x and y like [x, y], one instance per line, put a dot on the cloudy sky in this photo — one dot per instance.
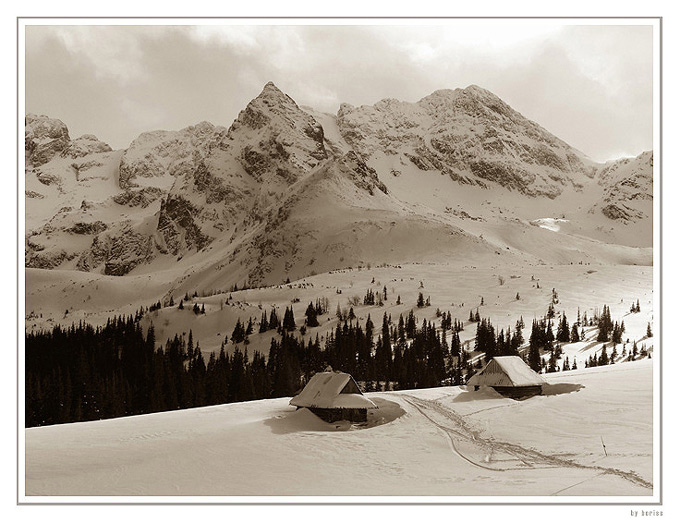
[590, 85]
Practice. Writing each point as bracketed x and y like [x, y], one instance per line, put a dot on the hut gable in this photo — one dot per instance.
[507, 371]
[332, 390]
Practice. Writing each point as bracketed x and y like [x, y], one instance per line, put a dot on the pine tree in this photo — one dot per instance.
[605, 325]
[649, 330]
[574, 337]
[551, 311]
[264, 325]
[239, 332]
[534, 346]
[274, 322]
[289, 320]
[310, 313]
[563, 330]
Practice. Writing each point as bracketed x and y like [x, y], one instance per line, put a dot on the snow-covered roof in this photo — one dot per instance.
[332, 390]
[506, 371]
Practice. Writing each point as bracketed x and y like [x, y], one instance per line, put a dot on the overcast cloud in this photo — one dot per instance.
[589, 85]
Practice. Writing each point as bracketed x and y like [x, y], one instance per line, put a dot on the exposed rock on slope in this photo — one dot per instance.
[167, 153]
[628, 189]
[48, 137]
[471, 135]
[86, 144]
[45, 138]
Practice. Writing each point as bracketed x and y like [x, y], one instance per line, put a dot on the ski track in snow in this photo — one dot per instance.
[459, 432]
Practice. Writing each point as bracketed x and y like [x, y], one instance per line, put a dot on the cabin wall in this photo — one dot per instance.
[332, 415]
[519, 392]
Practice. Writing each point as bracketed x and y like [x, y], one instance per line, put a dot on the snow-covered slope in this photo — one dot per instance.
[431, 442]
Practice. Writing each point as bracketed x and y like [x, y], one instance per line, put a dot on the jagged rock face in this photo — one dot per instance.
[45, 138]
[469, 134]
[363, 176]
[36, 259]
[138, 197]
[127, 251]
[178, 227]
[628, 189]
[88, 228]
[119, 252]
[86, 144]
[280, 137]
[160, 153]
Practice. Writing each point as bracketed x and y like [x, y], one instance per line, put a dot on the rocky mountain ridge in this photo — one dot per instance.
[253, 196]
[46, 138]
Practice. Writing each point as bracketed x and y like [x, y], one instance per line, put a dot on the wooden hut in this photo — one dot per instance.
[509, 376]
[334, 396]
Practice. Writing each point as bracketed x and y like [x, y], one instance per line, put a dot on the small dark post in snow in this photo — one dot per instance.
[603, 447]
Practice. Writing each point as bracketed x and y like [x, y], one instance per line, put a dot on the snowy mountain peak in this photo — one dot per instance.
[273, 135]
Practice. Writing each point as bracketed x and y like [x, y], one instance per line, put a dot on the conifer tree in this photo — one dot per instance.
[311, 313]
[563, 334]
[264, 324]
[289, 320]
[574, 337]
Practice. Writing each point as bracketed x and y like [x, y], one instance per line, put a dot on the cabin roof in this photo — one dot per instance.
[332, 390]
[506, 371]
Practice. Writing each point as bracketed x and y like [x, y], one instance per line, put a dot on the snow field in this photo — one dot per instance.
[446, 442]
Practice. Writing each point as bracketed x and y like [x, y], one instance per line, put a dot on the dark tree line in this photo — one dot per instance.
[83, 373]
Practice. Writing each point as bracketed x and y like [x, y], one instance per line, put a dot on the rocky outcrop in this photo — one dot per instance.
[173, 153]
[45, 138]
[177, 226]
[41, 259]
[118, 252]
[86, 144]
[363, 176]
[469, 134]
[127, 251]
[87, 228]
[628, 189]
[138, 197]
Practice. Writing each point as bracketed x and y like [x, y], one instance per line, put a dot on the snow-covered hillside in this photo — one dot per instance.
[590, 434]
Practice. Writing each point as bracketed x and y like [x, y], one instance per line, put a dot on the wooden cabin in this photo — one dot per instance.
[334, 396]
[509, 376]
